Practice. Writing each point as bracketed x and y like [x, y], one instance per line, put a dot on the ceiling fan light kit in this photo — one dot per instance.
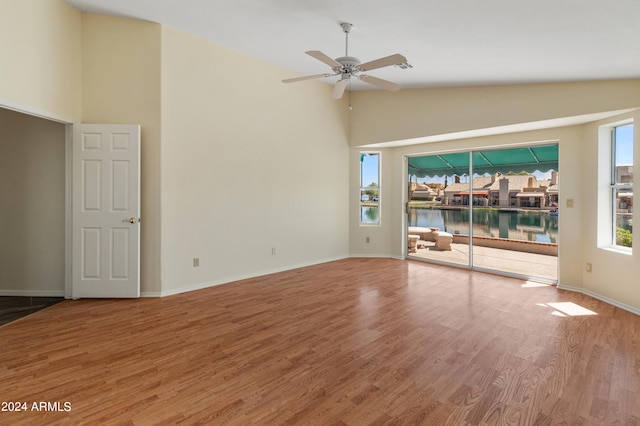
[349, 66]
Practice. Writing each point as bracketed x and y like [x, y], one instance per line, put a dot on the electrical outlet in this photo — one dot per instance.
[273, 251]
[196, 262]
[367, 240]
[588, 266]
[570, 203]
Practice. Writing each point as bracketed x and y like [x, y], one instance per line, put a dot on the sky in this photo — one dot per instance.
[624, 145]
[369, 169]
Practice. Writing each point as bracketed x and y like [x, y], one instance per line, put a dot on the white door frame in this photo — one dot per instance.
[68, 122]
[68, 199]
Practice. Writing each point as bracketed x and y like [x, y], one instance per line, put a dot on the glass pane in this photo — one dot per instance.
[369, 214]
[515, 211]
[438, 214]
[624, 223]
[369, 169]
[623, 161]
[369, 195]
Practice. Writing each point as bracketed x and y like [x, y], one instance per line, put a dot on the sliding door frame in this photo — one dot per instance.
[470, 265]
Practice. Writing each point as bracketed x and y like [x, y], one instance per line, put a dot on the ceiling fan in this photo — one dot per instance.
[348, 66]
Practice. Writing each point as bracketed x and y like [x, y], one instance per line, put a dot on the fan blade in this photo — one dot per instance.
[383, 62]
[338, 89]
[324, 58]
[306, 77]
[391, 86]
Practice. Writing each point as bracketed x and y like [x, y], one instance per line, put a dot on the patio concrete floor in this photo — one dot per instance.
[518, 262]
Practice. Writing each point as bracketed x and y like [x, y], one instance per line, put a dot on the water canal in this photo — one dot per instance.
[526, 225]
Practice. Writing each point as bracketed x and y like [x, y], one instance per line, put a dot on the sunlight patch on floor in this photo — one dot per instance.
[568, 309]
[533, 284]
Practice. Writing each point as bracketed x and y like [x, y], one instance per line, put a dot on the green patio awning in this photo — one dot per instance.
[516, 160]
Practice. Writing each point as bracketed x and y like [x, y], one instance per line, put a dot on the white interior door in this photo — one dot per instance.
[106, 211]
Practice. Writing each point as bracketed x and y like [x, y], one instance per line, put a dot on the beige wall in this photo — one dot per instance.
[121, 85]
[248, 164]
[379, 116]
[32, 210]
[614, 275]
[41, 63]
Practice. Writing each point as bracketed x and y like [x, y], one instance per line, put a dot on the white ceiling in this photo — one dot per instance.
[448, 42]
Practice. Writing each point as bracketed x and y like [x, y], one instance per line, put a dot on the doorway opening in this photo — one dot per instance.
[32, 211]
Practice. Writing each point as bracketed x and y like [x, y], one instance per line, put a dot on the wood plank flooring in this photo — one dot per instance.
[352, 342]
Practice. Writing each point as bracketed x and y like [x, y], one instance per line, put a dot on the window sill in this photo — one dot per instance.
[620, 250]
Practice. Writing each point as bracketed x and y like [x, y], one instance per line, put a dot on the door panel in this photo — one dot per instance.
[106, 210]
[438, 208]
[120, 178]
[91, 185]
[514, 231]
[119, 244]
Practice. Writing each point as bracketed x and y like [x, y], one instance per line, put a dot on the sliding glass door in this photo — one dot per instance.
[487, 209]
[516, 224]
[438, 211]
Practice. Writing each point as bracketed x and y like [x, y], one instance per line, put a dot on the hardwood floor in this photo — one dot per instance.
[353, 342]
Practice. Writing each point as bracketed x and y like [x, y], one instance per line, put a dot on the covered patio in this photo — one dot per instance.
[517, 262]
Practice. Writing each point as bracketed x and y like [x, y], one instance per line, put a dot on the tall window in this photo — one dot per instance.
[369, 188]
[622, 184]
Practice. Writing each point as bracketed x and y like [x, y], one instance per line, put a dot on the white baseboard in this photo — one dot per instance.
[602, 298]
[32, 293]
[376, 256]
[228, 280]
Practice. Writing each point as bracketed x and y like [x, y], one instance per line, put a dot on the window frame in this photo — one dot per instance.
[616, 187]
[370, 203]
[608, 188]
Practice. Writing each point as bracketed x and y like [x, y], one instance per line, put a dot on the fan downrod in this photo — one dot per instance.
[349, 63]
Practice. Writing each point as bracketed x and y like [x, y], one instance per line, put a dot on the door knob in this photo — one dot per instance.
[132, 220]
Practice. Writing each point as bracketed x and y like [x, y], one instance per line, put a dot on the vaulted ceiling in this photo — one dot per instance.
[448, 43]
